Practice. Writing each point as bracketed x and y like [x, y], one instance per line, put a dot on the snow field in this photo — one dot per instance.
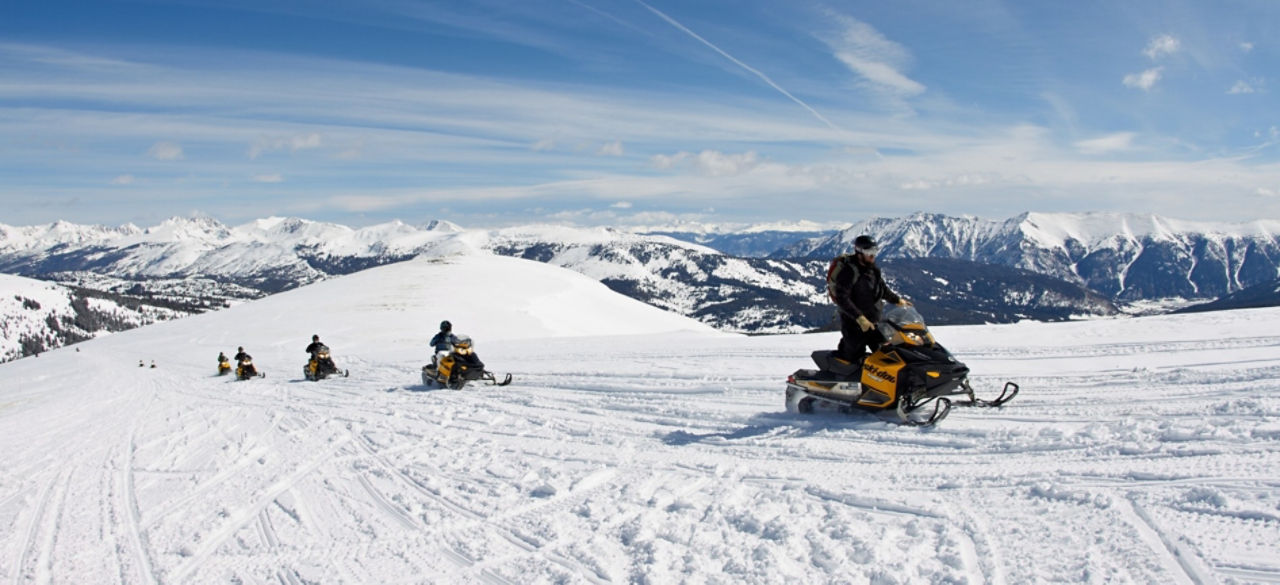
[633, 447]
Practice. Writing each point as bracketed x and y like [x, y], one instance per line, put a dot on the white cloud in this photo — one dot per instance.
[963, 180]
[291, 143]
[718, 164]
[1145, 80]
[123, 180]
[1265, 192]
[611, 149]
[165, 151]
[621, 205]
[874, 57]
[1246, 47]
[710, 163]
[1255, 85]
[544, 145]
[269, 178]
[1106, 144]
[1161, 46]
[881, 74]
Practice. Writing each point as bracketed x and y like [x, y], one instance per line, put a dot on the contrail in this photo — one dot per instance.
[749, 68]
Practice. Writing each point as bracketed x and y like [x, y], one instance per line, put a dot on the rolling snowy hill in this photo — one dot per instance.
[635, 446]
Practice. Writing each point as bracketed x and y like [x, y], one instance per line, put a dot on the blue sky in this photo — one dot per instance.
[626, 112]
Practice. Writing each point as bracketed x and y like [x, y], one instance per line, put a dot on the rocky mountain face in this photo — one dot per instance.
[1125, 257]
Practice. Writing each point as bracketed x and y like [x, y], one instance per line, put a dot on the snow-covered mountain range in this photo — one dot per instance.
[1127, 257]
[961, 269]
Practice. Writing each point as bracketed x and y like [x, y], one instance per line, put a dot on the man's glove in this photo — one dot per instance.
[864, 323]
[904, 303]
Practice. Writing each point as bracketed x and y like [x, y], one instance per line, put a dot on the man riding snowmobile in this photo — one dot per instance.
[224, 364]
[906, 373]
[320, 366]
[443, 341]
[907, 368]
[244, 366]
[857, 287]
[457, 366]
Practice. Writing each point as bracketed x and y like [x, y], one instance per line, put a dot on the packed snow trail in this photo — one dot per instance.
[1142, 450]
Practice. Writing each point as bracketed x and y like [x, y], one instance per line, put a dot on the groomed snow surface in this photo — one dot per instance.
[634, 446]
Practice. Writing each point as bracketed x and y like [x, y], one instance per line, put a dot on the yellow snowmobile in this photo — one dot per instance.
[907, 373]
[245, 369]
[460, 366]
[321, 366]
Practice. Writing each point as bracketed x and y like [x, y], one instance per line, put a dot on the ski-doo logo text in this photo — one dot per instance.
[881, 374]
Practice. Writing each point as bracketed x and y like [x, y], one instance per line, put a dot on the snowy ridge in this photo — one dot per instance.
[1142, 450]
[1113, 256]
[1128, 257]
[37, 316]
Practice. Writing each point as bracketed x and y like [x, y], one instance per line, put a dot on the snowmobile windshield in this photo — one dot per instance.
[904, 325]
[463, 345]
[902, 317]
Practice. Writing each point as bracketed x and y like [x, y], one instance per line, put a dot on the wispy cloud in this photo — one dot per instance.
[165, 151]
[712, 163]
[1119, 141]
[875, 58]
[611, 149]
[1243, 86]
[122, 180]
[291, 143]
[744, 66]
[1161, 46]
[1145, 80]
[268, 178]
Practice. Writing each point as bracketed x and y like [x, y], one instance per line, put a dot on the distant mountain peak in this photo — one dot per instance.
[441, 225]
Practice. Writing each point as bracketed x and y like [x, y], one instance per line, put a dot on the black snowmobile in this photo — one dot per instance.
[245, 370]
[453, 371]
[321, 366]
[908, 373]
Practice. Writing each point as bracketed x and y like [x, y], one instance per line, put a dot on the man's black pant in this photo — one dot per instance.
[854, 342]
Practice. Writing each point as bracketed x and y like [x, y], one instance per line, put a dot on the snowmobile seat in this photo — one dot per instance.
[829, 361]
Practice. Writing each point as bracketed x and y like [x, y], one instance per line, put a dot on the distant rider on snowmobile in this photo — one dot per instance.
[244, 365]
[443, 342]
[320, 364]
[857, 287]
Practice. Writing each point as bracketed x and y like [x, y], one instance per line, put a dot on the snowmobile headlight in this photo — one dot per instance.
[912, 338]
